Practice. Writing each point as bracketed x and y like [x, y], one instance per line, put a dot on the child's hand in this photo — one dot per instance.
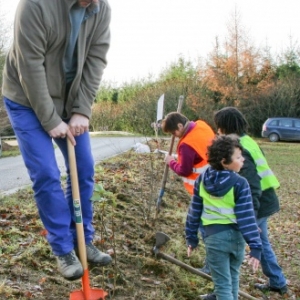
[254, 262]
[168, 159]
[189, 250]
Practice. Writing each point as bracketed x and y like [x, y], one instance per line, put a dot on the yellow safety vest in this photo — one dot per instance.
[268, 179]
[217, 210]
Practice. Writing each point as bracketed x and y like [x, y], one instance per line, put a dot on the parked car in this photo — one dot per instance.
[285, 129]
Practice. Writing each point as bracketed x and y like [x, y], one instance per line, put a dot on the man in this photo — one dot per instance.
[51, 76]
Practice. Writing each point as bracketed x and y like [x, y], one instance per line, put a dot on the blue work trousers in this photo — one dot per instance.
[55, 206]
[269, 262]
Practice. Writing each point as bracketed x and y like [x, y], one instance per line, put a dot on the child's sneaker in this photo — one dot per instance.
[94, 255]
[267, 288]
[209, 297]
[69, 266]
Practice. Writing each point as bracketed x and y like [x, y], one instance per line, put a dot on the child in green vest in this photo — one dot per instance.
[222, 205]
[263, 182]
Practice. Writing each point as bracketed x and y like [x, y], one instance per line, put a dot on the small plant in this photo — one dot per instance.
[101, 195]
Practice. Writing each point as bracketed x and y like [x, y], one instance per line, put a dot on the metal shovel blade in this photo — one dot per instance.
[94, 294]
[161, 239]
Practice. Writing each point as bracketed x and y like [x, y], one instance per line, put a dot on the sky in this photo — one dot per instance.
[148, 35]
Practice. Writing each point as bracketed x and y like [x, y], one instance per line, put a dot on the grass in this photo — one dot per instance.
[8, 153]
[127, 188]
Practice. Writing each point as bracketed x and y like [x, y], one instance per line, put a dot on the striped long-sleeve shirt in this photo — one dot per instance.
[218, 183]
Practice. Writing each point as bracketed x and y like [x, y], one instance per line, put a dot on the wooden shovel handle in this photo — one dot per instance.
[77, 205]
[166, 169]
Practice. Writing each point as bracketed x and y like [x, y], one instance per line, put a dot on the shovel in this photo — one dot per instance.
[162, 239]
[166, 170]
[86, 293]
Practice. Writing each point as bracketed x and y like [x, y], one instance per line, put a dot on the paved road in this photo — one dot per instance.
[14, 176]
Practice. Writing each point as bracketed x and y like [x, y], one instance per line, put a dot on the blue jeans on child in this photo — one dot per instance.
[54, 206]
[225, 253]
[269, 262]
[205, 269]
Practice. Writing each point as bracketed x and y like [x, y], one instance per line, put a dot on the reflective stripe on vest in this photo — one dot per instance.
[268, 179]
[197, 171]
[217, 210]
[200, 170]
[188, 181]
